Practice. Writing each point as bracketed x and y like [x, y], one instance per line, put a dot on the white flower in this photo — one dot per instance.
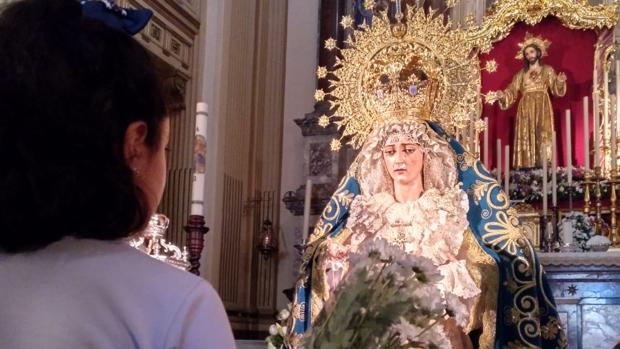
[437, 336]
[283, 315]
[458, 308]
[406, 331]
[282, 330]
[273, 330]
[271, 346]
[430, 298]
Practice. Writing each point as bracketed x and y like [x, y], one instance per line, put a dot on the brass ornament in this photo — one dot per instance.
[417, 68]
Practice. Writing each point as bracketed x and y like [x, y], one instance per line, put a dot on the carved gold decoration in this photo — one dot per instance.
[530, 222]
[503, 15]
[419, 68]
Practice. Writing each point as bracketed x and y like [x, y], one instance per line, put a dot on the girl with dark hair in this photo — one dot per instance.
[83, 131]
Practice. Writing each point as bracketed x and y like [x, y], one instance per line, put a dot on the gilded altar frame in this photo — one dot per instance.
[503, 15]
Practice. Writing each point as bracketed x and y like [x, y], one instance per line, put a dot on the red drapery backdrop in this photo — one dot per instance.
[572, 52]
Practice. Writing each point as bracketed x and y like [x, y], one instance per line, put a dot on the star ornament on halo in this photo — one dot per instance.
[330, 44]
[319, 95]
[335, 145]
[324, 121]
[346, 22]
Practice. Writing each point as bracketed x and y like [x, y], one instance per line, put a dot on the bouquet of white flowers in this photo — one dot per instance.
[389, 299]
[279, 330]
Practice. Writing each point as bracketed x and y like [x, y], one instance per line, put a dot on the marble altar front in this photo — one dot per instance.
[586, 287]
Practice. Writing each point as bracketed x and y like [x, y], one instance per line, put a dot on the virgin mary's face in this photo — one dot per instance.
[403, 159]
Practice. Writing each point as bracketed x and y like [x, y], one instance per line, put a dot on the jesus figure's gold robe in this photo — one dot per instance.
[534, 120]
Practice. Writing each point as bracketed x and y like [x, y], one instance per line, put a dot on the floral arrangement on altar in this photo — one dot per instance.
[526, 184]
[389, 299]
[577, 228]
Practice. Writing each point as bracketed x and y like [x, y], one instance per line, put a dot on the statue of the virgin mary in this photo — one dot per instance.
[414, 186]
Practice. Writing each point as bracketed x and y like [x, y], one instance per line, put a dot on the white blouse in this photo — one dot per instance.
[105, 294]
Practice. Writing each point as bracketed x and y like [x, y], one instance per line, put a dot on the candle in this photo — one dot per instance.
[507, 172]
[498, 165]
[200, 158]
[586, 134]
[307, 203]
[596, 132]
[543, 156]
[486, 142]
[614, 123]
[554, 170]
[605, 105]
[569, 149]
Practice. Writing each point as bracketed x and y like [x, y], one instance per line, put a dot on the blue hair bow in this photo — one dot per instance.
[107, 11]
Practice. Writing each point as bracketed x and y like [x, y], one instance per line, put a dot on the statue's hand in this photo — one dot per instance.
[492, 96]
[561, 77]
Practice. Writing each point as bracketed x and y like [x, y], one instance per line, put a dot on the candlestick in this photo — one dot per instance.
[544, 183]
[587, 181]
[569, 149]
[307, 203]
[586, 134]
[498, 165]
[613, 181]
[507, 172]
[554, 164]
[200, 156]
[599, 205]
[486, 142]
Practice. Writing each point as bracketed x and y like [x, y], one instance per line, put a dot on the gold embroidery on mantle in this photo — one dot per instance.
[483, 270]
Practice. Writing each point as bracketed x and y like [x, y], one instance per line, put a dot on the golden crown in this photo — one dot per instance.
[416, 68]
[542, 44]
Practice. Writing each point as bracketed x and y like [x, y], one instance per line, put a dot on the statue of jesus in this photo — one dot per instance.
[534, 120]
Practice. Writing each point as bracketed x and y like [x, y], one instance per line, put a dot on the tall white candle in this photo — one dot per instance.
[486, 142]
[614, 123]
[200, 158]
[307, 203]
[507, 172]
[498, 165]
[543, 156]
[597, 132]
[569, 148]
[554, 170]
[605, 106]
[586, 134]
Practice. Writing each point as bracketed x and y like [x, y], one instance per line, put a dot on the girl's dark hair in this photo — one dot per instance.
[69, 88]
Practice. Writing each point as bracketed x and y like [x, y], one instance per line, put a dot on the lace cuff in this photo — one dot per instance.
[457, 281]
